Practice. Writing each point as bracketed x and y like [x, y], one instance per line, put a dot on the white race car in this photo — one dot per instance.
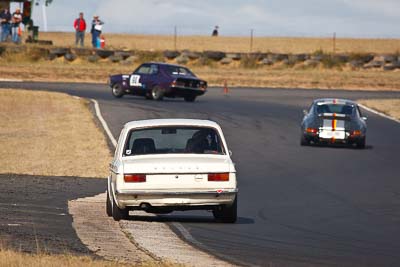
[164, 165]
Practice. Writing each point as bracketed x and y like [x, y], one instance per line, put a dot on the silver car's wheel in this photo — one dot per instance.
[117, 90]
[304, 141]
[361, 143]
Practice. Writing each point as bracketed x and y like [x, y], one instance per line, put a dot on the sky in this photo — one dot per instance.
[305, 18]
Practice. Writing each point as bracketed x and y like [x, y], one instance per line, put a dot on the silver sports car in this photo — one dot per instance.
[333, 121]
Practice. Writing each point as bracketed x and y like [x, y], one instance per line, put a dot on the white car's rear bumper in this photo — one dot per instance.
[163, 198]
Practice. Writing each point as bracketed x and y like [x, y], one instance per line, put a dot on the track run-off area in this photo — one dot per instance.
[298, 206]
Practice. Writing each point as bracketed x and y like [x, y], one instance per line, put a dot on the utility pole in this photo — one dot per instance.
[251, 40]
[334, 43]
[175, 38]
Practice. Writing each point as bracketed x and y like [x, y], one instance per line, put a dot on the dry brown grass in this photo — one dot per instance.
[9, 258]
[274, 77]
[50, 134]
[297, 78]
[15, 259]
[234, 44]
[390, 107]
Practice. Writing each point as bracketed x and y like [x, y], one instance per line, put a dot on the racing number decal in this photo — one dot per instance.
[134, 80]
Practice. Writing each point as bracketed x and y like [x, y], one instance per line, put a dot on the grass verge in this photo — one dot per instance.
[389, 107]
[10, 258]
[51, 134]
[232, 44]
[236, 76]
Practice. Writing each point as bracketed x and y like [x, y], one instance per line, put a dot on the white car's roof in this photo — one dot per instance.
[172, 122]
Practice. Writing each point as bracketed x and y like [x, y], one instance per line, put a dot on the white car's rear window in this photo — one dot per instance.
[173, 140]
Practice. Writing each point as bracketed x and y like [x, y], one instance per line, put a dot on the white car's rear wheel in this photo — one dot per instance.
[118, 213]
[108, 205]
[226, 213]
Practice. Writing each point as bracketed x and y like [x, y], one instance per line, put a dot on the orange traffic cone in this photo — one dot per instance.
[226, 89]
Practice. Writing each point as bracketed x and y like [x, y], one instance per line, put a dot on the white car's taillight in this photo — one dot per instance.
[218, 177]
[135, 178]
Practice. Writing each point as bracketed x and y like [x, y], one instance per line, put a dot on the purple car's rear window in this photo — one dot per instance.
[177, 70]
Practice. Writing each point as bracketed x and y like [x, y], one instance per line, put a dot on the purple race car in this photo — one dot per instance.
[157, 80]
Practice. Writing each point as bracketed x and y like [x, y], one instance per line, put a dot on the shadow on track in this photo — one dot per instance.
[184, 219]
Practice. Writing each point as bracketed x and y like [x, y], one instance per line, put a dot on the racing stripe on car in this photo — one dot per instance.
[334, 122]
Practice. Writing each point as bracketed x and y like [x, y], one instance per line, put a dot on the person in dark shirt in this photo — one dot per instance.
[97, 26]
[215, 31]
[80, 28]
[5, 18]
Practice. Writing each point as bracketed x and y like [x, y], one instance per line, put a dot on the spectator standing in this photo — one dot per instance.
[97, 26]
[80, 28]
[5, 19]
[15, 24]
[215, 31]
[102, 41]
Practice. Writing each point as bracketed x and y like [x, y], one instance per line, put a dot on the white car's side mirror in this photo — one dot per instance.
[230, 153]
[305, 112]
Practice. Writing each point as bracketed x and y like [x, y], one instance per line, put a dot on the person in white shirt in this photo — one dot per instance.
[16, 20]
[97, 26]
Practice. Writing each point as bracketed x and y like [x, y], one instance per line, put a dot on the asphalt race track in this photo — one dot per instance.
[298, 206]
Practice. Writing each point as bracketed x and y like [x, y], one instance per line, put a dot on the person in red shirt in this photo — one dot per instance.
[80, 28]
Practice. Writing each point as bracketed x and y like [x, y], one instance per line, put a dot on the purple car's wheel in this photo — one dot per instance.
[117, 90]
[190, 98]
[157, 93]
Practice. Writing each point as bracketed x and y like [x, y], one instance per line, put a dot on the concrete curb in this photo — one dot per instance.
[104, 123]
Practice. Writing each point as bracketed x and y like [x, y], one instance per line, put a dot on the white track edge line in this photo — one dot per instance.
[103, 122]
[185, 233]
[11, 80]
[193, 241]
[379, 113]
